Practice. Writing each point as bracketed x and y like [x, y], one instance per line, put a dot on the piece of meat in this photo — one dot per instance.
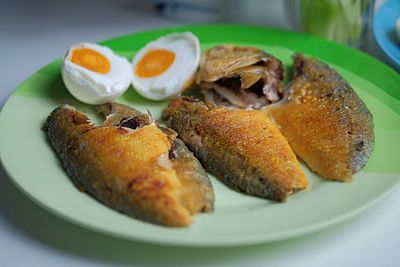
[244, 77]
[241, 147]
[128, 169]
[196, 194]
[325, 122]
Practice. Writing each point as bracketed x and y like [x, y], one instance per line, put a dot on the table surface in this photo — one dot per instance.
[33, 33]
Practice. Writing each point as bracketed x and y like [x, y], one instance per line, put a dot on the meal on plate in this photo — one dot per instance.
[247, 129]
[242, 147]
[131, 163]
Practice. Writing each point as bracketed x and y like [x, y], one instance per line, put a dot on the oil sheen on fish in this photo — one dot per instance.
[129, 167]
[324, 120]
[241, 147]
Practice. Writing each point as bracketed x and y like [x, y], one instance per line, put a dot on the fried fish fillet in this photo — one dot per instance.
[241, 147]
[196, 193]
[240, 77]
[127, 168]
[324, 120]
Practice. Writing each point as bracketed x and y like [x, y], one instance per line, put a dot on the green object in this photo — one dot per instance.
[343, 21]
[238, 219]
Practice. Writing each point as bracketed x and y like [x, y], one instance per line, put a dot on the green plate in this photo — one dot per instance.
[238, 219]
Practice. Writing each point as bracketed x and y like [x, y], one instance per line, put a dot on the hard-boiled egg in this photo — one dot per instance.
[166, 66]
[94, 74]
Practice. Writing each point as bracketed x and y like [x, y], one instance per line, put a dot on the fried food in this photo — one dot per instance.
[324, 120]
[129, 168]
[241, 147]
[197, 193]
[243, 77]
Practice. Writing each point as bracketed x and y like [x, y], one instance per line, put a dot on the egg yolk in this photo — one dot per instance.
[154, 63]
[91, 60]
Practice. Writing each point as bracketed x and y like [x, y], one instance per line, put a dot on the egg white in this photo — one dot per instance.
[96, 88]
[186, 47]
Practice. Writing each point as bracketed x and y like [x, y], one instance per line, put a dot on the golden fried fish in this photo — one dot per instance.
[240, 77]
[325, 122]
[197, 193]
[241, 147]
[129, 168]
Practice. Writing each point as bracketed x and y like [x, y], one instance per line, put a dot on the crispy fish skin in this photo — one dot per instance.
[196, 193]
[241, 147]
[236, 76]
[324, 120]
[111, 164]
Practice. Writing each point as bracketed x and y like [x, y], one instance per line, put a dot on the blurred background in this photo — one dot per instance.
[34, 33]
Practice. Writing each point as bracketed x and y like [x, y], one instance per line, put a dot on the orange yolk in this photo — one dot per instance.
[154, 63]
[91, 60]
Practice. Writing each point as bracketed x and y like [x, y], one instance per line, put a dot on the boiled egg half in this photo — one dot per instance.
[94, 74]
[166, 66]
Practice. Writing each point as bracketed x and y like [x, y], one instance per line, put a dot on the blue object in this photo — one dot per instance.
[384, 28]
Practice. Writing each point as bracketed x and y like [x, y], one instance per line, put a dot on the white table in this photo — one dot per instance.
[33, 33]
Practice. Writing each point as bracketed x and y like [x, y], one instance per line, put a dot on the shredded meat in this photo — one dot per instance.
[241, 77]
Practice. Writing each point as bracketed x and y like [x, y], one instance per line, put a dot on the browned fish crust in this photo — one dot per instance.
[241, 147]
[128, 170]
[324, 120]
[196, 193]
